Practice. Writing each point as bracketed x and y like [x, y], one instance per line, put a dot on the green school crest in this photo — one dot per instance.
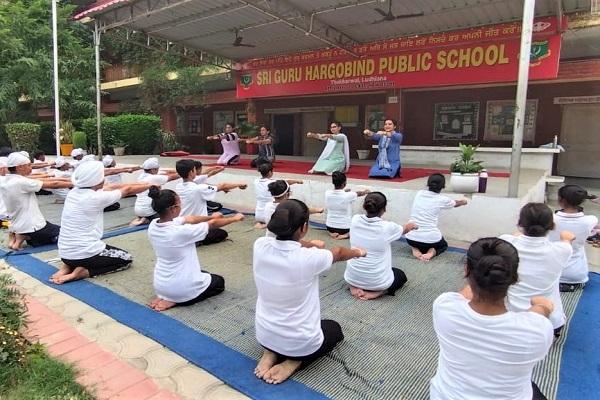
[246, 80]
[539, 51]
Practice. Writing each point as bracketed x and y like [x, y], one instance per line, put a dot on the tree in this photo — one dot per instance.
[26, 60]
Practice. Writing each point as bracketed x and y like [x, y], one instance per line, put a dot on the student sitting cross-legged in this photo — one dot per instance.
[288, 312]
[373, 276]
[486, 350]
[194, 197]
[178, 278]
[82, 224]
[339, 206]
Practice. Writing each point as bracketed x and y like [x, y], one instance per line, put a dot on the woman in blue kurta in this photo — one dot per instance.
[387, 164]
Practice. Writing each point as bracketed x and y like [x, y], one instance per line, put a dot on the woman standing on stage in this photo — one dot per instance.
[231, 146]
[387, 164]
[335, 155]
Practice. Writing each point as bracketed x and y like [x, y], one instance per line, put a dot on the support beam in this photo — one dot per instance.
[148, 13]
[55, 74]
[521, 100]
[97, 34]
[312, 27]
[188, 19]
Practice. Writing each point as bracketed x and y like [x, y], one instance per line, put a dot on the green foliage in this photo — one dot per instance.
[464, 163]
[163, 87]
[169, 142]
[12, 319]
[23, 136]
[66, 132]
[247, 129]
[79, 140]
[26, 59]
[140, 133]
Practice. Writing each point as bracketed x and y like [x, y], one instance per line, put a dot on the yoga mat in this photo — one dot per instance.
[390, 347]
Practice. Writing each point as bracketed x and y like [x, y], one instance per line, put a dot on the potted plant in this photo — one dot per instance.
[66, 138]
[119, 147]
[248, 130]
[79, 140]
[464, 177]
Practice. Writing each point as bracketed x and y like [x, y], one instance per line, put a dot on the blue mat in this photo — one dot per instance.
[580, 364]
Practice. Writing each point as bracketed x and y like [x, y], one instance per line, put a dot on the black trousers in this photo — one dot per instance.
[439, 247]
[215, 235]
[332, 335]
[111, 259]
[112, 207]
[537, 393]
[399, 280]
[217, 286]
[47, 235]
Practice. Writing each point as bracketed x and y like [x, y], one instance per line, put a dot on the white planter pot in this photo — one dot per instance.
[119, 151]
[363, 154]
[464, 183]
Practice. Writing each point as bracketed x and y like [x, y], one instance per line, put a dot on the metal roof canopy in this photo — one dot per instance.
[276, 27]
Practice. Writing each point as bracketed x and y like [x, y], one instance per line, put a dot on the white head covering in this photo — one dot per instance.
[88, 174]
[17, 158]
[89, 157]
[60, 161]
[26, 154]
[3, 162]
[151, 163]
[107, 160]
[77, 152]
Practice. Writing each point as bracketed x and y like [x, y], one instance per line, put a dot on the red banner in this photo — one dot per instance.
[482, 55]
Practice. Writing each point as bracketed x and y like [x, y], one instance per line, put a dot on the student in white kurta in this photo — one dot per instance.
[281, 191]
[194, 197]
[373, 276]
[178, 277]
[571, 218]
[486, 350]
[62, 170]
[18, 192]
[82, 225]
[4, 217]
[541, 262]
[76, 157]
[202, 175]
[143, 204]
[288, 312]
[338, 203]
[428, 242]
[112, 176]
[261, 190]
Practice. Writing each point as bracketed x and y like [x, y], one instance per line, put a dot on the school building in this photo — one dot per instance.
[446, 87]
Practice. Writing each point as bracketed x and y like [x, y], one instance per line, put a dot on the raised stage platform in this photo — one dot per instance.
[487, 214]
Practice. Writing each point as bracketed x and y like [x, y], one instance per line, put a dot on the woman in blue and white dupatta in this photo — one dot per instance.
[387, 164]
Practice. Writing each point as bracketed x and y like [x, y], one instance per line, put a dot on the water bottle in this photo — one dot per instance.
[483, 177]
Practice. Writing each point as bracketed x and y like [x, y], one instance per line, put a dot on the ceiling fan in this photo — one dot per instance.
[238, 41]
[389, 16]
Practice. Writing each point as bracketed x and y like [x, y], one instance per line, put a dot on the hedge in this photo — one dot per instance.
[23, 136]
[140, 133]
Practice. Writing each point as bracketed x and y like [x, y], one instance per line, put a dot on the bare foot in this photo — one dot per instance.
[260, 225]
[265, 363]
[429, 255]
[77, 274]
[334, 235]
[154, 302]
[416, 253]
[356, 292]
[311, 171]
[370, 295]
[342, 237]
[163, 305]
[280, 372]
[139, 221]
[64, 270]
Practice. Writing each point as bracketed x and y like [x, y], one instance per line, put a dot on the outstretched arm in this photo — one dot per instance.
[226, 187]
[223, 221]
[345, 253]
[213, 170]
[129, 189]
[56, 184]
[460, 203]
[319, 136]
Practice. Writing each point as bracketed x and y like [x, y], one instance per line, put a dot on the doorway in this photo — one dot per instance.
[580, 137]
[283, 127]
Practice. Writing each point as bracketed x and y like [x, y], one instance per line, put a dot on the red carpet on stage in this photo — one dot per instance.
[356, 171]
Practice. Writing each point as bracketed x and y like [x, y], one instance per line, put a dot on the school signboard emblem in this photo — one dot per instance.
[246, 80]
[539, 51]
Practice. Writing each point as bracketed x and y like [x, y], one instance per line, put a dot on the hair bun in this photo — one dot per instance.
[279, 223]
[154, 192]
